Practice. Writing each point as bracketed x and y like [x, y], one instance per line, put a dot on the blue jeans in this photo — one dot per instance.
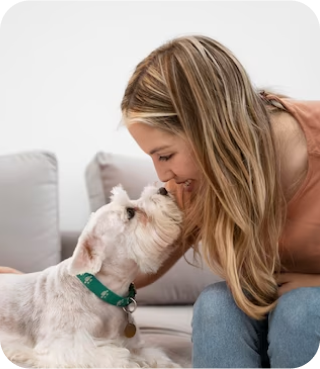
[224, 337]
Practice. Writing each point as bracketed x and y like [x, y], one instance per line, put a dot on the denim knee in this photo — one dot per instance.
[214, 300]
[223, 335]
[296, 311]
[294, 326]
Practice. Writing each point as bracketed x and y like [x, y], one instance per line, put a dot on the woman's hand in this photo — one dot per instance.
[9, 270]
[291, 281]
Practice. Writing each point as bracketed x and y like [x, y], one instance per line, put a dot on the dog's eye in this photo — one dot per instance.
[131, 212]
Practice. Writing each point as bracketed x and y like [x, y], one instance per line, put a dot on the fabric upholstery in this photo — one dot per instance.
[29, 222]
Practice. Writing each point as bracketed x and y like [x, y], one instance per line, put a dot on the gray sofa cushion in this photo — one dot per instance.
[183, 283]
[107, 170]
[29, 234]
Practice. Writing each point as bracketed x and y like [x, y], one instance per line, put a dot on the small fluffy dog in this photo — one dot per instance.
[52, 318]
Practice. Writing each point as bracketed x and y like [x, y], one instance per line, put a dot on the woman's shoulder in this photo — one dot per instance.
[296, 126]
[306, 113]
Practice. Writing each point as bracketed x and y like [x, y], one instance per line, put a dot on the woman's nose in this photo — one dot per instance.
[164, 171]
[162, 191]
[164, 175]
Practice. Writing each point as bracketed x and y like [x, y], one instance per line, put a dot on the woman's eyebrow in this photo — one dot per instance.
[158, 149]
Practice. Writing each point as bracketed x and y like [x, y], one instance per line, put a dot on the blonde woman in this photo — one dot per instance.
[245, 166]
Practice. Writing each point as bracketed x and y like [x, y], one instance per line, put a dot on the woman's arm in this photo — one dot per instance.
[143, 280]
[9, 270]
[290, 281]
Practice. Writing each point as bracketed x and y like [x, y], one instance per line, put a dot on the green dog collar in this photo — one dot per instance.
[101, 291]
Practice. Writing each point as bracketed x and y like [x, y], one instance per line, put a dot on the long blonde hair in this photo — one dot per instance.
[195, 87]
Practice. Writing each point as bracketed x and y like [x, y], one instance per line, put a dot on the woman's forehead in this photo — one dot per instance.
[151, 139]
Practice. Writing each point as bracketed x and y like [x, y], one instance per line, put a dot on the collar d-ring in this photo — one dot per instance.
[130, 309]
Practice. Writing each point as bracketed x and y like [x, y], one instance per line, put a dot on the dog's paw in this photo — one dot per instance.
[22, 357]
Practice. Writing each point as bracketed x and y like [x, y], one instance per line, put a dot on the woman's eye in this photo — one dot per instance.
[165, 158]
[130, 212]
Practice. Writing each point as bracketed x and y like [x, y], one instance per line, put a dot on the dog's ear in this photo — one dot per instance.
[116, 190]
[119, 195]
[87, 257]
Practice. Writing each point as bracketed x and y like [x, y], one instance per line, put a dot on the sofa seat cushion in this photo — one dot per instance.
[176, 318]
[177, 347]
[167, 327]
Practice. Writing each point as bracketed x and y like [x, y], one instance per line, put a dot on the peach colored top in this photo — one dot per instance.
[299, 245]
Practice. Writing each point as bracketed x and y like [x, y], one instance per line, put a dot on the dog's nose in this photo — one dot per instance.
[162, 191]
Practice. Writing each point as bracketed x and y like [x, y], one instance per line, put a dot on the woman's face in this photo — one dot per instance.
[172, 156]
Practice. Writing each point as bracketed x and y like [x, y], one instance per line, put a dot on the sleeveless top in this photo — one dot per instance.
[299, 244]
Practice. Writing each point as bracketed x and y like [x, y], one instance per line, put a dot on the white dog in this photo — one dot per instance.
[53, 319]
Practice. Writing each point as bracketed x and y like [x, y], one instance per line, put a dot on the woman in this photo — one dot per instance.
[245, 167]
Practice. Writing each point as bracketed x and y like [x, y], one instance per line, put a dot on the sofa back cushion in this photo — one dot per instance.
[29, 229]
[108, 170]
[183, 282]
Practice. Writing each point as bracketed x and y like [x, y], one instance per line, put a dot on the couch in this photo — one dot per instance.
[30, 238]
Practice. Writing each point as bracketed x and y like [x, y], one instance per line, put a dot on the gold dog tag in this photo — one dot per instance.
[130, 330]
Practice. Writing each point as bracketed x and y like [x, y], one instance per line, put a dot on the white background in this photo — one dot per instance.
[64, 67]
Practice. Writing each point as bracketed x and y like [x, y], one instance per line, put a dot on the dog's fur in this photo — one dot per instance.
[50, 319]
